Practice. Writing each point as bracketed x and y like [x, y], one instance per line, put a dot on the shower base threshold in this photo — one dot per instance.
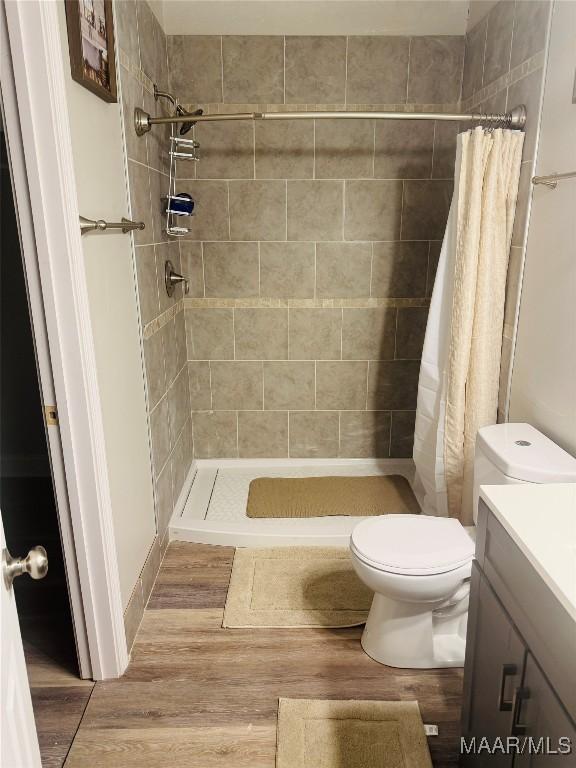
[212, 506]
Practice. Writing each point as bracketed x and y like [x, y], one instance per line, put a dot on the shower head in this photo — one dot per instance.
[181, 112]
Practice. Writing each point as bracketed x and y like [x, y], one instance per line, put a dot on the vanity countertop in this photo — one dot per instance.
[541, 520]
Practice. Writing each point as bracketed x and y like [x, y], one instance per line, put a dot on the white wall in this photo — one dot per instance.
[544, 374]
[100, 178]
[312, 17]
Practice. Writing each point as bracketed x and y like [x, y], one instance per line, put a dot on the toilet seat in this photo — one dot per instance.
[416, 545]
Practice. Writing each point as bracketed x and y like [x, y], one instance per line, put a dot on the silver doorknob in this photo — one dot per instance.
[35, 564]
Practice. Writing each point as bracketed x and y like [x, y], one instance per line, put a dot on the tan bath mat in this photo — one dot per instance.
[350, 734]
[324, 496]
[295, 587]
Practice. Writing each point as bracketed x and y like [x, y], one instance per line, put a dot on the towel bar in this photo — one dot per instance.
[553, 179]
[99, 225]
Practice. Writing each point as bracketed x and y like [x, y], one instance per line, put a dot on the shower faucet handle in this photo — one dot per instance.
[173, 278]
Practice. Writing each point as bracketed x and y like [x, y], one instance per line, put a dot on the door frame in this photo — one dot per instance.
[45, 188]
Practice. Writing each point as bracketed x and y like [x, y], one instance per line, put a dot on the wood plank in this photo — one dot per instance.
[191, 577]
[58, 712]
[240, 747]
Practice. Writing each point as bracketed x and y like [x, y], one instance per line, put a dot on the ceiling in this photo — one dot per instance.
[313, 17]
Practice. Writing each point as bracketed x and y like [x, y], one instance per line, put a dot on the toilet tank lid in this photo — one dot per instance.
[523, 453]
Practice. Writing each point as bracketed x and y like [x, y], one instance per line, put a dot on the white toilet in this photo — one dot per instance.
[419, 566]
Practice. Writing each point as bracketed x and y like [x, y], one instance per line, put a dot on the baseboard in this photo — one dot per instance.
[134, 612]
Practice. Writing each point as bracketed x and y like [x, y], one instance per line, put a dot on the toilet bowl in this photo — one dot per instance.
[419, 566]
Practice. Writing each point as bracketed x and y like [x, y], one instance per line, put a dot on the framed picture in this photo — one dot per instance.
[91, 46]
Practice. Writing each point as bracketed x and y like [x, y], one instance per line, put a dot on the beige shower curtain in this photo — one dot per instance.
[486, 191]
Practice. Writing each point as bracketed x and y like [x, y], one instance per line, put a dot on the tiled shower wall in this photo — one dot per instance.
[313, 250]
[143, 61]
[314, 247]
[503, 67]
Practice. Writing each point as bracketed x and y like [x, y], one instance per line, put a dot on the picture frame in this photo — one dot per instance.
[91, 47]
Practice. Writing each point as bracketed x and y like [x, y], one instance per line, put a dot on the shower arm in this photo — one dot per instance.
[516, 118]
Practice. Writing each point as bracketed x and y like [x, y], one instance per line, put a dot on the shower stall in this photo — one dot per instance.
[320, 174]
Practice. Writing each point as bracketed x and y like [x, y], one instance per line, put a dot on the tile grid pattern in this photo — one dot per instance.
[143, 61]
[315, 243]
[504, 66]
[308, 84]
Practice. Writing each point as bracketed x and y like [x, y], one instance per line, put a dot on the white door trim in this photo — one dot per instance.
[36, 306]
[40, 84]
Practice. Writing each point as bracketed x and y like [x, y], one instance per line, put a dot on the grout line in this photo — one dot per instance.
[396, 335]
[484, 51]
[346, 74]
[372, 265]
[315, 271]
[314, 149]
[512, 38]
[254, 147]
[408, 69]
[234, 332]
[433, 149]
[340, 424]
[343, 210]
[310, 410]
[203, 269]
[210, 384]
[427, 287]
[286, 219]
[373, 149]
[390, 438]
[263, 398]
[341, 331]
[222, 67]
[367, 383]
[315, 383]
[295, 178]
[284, 68]
[237, 435]
[401, 212]
[228, 204]
[288, 328]
[259, 271]
[292, 360]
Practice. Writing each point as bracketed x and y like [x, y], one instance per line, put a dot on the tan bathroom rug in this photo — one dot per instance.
[295, 587]
[304, 497]
[350, 734]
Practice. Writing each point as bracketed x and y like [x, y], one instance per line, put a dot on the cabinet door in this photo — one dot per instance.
[542, 719]
[494, 663]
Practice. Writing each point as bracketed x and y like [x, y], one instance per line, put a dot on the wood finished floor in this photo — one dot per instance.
[59, 696]
[199, 696]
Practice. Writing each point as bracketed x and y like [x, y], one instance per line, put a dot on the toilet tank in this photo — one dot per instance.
[518, 453]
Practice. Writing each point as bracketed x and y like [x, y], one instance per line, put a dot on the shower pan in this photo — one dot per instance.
[212, 506]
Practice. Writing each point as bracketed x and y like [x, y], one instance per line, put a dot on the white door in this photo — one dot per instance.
[18, 739]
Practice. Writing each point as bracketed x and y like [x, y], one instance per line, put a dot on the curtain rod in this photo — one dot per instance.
[516, 118]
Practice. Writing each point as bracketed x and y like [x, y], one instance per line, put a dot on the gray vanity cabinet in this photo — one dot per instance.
[520, 667]
[495, 657]
[543, 717]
